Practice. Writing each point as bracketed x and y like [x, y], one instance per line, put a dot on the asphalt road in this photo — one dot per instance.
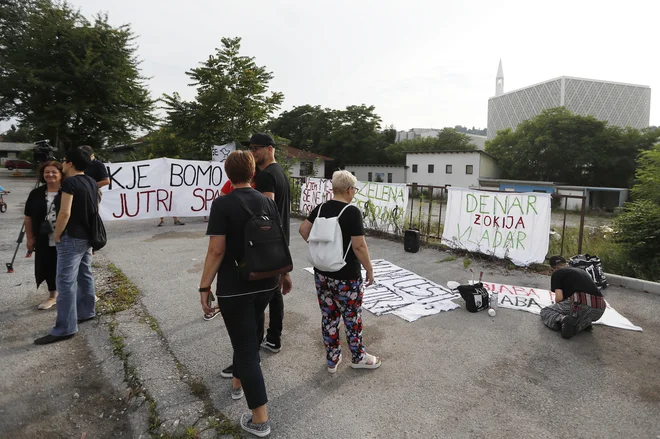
[452, 375]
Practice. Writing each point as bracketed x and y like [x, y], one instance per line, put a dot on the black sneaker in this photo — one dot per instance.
[589, 328]
[273, 347]
[227, 372]
[568, 327]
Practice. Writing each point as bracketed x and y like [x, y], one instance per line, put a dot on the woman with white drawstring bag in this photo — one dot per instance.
[338, 251]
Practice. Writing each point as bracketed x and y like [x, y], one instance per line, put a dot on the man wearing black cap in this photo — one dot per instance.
[578, 301]
[271, 180]
[96, 170]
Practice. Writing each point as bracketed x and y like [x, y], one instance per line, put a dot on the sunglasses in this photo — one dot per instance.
[254, 148]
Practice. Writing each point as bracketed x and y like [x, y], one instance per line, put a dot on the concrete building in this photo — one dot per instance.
[11, 150]
[379, 173]
[420, 133]
[455, 168]
[304, 163]
[624, 105]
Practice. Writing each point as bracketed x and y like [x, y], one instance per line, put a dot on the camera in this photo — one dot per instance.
[43, 152]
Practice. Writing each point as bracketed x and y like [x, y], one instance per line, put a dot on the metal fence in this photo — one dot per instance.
[427, 207]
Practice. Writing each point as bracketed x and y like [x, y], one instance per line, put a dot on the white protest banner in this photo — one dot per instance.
[534, 299]
[383, 205]
[508, 225]
[161, 187]
[403, 293]
[219, 153]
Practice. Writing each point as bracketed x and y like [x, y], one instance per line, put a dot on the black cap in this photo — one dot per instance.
[259, 139]
[556, 260]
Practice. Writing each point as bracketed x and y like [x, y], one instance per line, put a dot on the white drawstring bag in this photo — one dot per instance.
[326, 244]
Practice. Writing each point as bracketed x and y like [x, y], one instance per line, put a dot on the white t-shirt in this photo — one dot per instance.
[51, 215]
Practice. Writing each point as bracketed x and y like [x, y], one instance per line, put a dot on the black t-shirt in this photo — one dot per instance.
[351, 225]
[229, 218]
[273, 179]
[573, 280]
[83, 206]
[97, 171]
[36, 208]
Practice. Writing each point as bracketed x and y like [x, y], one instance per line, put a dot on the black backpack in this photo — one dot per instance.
[593, 266]
[475, 296]
[98, 238]
[266, 252]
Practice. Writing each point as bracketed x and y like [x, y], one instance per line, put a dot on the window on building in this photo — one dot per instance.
[448, 169]
[469, 169]
[389, 177]
[431, 169]
[369, 176]
[414, 168]
[306, 169]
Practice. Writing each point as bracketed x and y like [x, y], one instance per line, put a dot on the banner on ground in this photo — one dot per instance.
[383, 205]
[161, 187]
[219, 153]
[403, 293]
[534, 299]
[507, 225]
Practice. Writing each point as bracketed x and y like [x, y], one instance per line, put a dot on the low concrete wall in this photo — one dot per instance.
[633, 284]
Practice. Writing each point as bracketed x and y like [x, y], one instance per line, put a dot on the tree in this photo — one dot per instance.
[305, 125]
[232, 101]
[647, 186]
[560, 146]
[473, 130]
[22, 134]
[390, 134]
[355, 138]
[448, 139]
[70, 80]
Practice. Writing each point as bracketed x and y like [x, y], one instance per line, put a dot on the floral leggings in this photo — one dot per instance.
[340, 298]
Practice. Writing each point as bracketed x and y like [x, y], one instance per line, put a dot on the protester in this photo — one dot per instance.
[176, 221]
[578, 301]
[271, 180]
[75, 284]
[241, 302]
[40, 226]
[96, 170]
[226, 189]
[340, 293]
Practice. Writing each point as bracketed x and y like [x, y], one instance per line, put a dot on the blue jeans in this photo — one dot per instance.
[75, 285]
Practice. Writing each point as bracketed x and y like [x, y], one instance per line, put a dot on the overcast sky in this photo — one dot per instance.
[420, 63]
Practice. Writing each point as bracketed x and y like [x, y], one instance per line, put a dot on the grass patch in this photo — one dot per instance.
[466, 263]
[599, 242]
[130, 375]
[447, 259]
[197, 387]
[123, 295]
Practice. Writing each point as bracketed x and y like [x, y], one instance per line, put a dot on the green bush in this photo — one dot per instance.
[638, 232]
[615, 256]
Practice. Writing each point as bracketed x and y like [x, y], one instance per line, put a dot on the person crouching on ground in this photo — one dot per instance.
[242, 303]
[340, 293]
[578, 301]
[75, 283]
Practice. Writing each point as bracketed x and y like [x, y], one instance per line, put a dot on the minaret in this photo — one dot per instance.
[499, 81]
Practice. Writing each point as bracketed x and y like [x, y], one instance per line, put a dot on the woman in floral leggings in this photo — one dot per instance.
[340, 292]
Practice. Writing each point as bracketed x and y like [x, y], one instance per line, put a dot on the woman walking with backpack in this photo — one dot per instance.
[338, 274]
[243, 292]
